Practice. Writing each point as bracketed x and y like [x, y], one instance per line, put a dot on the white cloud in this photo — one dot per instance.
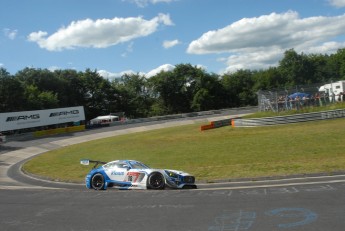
[128, 50]
[164, 67]
[11, 34]
[261, 42]
[169, 44]
[165, 19]
[54, 68]
[144, 3]
[105, 32]
[337, 3]
[325, 48]
[111, 76]
[260, 59]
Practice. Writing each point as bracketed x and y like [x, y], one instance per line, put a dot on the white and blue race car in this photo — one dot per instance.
[132, 174]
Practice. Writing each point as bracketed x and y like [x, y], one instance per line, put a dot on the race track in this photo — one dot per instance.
[301, 203]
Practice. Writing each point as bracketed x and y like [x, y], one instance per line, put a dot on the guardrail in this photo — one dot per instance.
[182, 116]
[333, 114]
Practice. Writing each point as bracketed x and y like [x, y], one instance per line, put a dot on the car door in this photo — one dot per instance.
[117, 171]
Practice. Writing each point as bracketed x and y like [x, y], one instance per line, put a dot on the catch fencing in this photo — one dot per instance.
[295, 98]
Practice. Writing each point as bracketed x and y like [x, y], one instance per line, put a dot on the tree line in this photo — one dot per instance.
[185, 89]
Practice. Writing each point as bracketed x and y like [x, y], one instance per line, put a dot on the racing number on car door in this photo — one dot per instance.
[133, 176]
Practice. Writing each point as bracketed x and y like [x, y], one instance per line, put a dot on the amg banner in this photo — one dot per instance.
[29, 119]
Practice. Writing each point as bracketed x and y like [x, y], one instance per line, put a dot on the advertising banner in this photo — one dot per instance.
[29, 119]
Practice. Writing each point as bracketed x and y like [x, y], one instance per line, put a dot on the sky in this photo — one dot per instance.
[145, 37]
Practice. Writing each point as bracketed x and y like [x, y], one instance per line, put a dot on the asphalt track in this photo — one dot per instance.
[300, 203]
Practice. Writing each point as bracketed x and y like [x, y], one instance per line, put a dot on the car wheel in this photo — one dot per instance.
[97, 181]
[156, 181]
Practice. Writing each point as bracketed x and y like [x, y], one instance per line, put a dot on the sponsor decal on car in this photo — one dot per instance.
[115, 173]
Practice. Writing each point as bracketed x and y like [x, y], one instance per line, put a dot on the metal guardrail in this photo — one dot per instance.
[181, 116]
[333, 114]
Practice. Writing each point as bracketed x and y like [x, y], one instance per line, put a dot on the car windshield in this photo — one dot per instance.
[138, 165]
[115, 164]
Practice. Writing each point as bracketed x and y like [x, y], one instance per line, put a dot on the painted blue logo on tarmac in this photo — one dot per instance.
[303, 216]
[243, 220]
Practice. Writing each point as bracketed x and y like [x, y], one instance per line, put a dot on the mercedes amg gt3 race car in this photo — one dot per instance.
[132, 174]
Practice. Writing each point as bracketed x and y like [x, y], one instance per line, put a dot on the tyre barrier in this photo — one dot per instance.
[216, 124]
[332, 114]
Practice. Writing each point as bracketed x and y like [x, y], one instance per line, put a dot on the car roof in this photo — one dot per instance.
[125, 161]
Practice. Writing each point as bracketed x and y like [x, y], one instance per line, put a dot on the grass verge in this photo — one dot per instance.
[221, 153]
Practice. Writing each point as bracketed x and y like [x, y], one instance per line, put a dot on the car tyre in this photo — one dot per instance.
[97, 181]
[155, 181]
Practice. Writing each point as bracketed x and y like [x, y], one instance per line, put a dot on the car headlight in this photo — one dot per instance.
[171, 174]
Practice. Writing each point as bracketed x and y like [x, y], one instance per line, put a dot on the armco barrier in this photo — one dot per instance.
[339, 113]
[183, 116]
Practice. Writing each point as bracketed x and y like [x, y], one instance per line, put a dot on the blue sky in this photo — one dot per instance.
[146, 36]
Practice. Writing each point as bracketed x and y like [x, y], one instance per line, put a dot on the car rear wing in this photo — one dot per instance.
[87, 162]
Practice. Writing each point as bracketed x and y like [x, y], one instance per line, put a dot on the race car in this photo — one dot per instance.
[132, 174]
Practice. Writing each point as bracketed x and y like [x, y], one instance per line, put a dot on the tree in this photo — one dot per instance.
[336, 65]
[11, 93]
[37, 100]
[162, 92]
[175, 90]
[208, 93]
[202, 100]
[295, 68]
[239, 88]
[132, 95]
[320, 72]
[41, 88]
[185, 89]
[71, 89]
[268, 79]
[95, 91]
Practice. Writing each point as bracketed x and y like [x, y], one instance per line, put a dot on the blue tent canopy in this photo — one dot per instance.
[299, 94]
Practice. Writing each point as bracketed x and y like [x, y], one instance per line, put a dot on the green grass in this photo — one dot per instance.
[221, 153]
